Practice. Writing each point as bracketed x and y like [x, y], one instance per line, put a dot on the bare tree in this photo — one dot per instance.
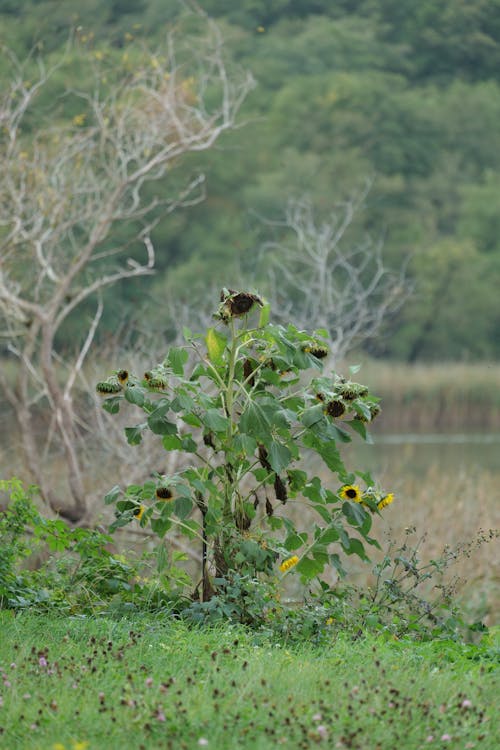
[322, 278]
[63, 192]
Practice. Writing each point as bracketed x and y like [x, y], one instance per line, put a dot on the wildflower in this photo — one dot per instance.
[164, 493]
[203, 742]
[42, 661]
[139, 512]
[387, 500]
[330, 621]
[148, 681]
[351, 492]
[466, 703]
[445, 738]
[79, 120]
[290, 562]
[80, 745]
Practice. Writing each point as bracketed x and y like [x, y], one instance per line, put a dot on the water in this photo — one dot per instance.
[414, 454]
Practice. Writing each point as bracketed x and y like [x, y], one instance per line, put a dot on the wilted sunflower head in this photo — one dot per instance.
[317, 350]
[164, 493]
[235, 304]
[108, 387]
[335, 408]
[122, 376]
[349, 390]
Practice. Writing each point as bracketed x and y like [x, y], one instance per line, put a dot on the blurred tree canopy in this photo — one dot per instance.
[403, 93]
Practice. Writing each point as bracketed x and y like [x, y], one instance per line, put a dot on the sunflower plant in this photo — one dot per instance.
[248, 411]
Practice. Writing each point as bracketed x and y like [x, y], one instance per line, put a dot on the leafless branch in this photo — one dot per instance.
[324, 280]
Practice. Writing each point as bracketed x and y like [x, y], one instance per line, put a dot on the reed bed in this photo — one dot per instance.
[442, 397]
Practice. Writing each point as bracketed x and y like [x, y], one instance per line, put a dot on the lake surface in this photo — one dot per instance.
[414, 454]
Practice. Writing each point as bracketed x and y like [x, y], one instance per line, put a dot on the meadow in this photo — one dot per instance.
[83, 684]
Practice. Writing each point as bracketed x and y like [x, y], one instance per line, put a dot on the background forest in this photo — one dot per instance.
[401, 96]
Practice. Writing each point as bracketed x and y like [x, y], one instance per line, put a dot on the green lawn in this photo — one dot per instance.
[156, 683]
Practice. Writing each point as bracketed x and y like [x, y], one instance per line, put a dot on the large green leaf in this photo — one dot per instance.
[160, 526]
[171, 442]
[261, 416]
[214, 420]
[278, 456]
[295, 541]
[177, 358]
[112, 405]
[135, 394]
[309, 568]
[159, 424]
[245, 444]
[354, 512]
[134, 434]
[355, 547]
[327, 450]
[183, 507]
[112, 495]
[312, 415]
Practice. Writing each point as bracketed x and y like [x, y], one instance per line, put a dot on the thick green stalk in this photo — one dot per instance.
[229, 479]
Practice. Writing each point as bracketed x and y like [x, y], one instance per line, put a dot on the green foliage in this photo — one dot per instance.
[243, 410]
[79, 573]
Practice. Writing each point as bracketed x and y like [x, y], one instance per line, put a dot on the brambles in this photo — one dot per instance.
[244, 415]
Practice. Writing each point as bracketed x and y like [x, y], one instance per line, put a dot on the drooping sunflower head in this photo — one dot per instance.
[164, 493]
[122, 376]
[235, 304]
[350, 390]
[155, 380]
[108, 388]
[317, 350]
[351, 492]
[335, 408]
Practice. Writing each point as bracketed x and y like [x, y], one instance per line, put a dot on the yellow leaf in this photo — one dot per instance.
[216, 343]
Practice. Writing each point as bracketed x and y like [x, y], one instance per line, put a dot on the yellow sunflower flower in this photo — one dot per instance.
[290, 562]
[351, 492]
[387, 500]
[139, 512]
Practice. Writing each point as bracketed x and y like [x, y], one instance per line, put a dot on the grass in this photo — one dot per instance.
[75, 684]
